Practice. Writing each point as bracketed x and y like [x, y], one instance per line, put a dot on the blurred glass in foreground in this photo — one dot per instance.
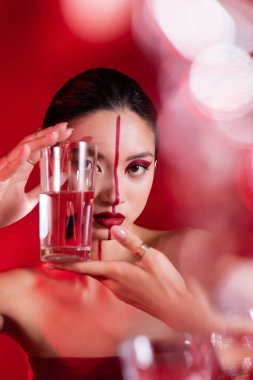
[235, 355]
[143, 359]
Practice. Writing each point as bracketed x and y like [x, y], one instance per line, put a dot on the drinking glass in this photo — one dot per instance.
[143, 359]
[66, 201]
[234, 355]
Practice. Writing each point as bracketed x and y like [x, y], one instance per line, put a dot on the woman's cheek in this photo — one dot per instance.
[138, 200]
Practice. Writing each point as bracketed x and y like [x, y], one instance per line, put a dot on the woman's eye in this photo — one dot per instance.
[138, 168]
[98, 169]
[88, 164]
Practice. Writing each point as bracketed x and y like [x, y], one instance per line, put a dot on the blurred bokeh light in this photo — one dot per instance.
[99, 20]
[221, 81]
[191, 25]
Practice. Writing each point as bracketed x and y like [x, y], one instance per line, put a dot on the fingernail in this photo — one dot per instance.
[119, 232]
[61, 125]
[70, 129]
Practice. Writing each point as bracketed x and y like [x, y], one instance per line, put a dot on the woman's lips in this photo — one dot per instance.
[109, 219]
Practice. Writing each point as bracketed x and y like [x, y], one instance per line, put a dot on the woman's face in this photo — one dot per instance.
[125, 167]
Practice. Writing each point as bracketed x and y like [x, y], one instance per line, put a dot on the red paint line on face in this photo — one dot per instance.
[99, 250]
[116, 162]
[109, 234]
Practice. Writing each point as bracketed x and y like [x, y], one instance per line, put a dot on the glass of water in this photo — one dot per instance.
[66, 201]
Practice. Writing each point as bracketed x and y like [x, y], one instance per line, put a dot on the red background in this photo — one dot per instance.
[38, 54]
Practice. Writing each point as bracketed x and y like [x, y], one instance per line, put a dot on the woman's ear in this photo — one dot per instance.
[155, 163]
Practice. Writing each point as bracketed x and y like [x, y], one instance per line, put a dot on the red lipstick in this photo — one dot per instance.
[109, 219]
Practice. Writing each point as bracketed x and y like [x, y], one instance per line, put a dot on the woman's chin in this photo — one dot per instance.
[104, 233]
[101, 234]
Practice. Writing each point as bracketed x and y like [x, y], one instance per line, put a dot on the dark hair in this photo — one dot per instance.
[100, 89]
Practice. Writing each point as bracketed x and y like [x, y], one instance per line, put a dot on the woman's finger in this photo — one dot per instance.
[33, 197]
[48, 140]
[40, 133]
[8, 168]
[135, 245]
[40, 140]
[106, 269]
[129, 240]
[56, 135]
[28, 151]
[154, 261]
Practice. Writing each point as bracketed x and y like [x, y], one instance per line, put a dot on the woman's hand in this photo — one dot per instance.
[15, 169]
[153, 285]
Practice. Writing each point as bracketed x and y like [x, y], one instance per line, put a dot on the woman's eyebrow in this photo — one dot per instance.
[140, 155]
[100, 156]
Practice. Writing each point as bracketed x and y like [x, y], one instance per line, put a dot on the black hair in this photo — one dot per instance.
[100, 89]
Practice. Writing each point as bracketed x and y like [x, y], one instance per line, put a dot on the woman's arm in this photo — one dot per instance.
[155, 286]
[15, 169]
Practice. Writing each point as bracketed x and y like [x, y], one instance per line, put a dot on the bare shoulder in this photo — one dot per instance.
[153, 237]
[169, 241]
[178, 240]
[201, 255]
[12, 285]
[16, 277]
[183, 246]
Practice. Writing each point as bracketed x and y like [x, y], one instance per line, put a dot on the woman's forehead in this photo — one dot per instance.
[106, 128]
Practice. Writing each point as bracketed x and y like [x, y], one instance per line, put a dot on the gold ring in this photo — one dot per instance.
[141, 251]
[30, 161]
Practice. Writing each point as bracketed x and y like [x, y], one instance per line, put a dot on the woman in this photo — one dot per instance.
[71, 325]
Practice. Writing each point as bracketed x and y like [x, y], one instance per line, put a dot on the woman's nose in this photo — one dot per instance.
[112, 192]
